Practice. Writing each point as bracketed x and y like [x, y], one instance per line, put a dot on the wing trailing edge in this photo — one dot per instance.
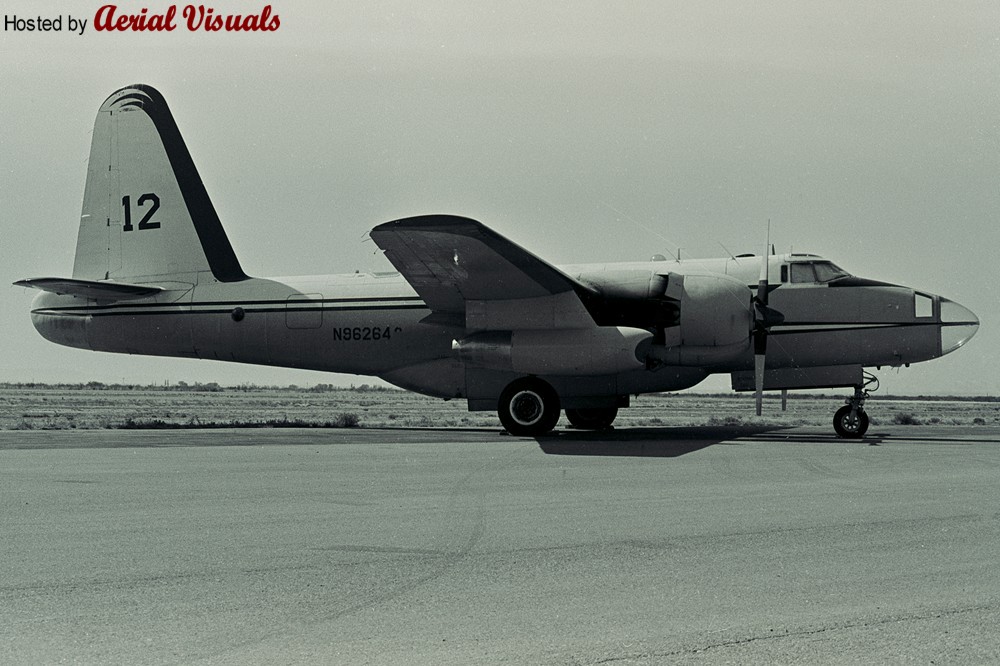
[463, 269]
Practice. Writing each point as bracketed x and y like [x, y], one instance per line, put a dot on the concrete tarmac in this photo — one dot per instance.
[637, 546]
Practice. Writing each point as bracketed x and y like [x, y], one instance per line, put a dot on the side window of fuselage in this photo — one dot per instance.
[923, 305]
[803, 273]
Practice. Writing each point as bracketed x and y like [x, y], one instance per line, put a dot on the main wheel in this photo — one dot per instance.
[528, 407]
[595, 418]
[848, 427]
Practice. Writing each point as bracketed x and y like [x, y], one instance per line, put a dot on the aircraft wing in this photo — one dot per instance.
[451, 260]
[90, 288]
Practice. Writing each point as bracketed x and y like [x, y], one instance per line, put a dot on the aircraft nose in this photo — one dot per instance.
[958, 325]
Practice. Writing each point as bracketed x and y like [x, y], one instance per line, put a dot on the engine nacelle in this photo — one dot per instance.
[638, 284]
[715, 312]
[585, 351]
[716, 319]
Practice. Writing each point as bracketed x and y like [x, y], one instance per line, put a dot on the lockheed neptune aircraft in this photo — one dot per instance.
[470, 315]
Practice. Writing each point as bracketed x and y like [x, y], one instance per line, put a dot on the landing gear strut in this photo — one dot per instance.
[851, 420]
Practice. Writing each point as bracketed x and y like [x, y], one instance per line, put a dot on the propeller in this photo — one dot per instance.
[764, 318]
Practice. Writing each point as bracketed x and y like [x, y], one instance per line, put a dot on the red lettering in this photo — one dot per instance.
[193, 21]
[237, 22]
[274, 23]
[204, 18]
[199, 17]
[105, 20]
[102, 19]
[161, 22]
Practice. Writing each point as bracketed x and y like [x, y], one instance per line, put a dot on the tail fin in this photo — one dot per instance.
[146, 215]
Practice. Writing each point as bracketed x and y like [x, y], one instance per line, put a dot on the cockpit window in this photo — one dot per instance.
[803, 273]
[826, 271]
[816, 271]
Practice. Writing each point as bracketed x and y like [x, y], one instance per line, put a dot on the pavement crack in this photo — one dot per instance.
[775, 635]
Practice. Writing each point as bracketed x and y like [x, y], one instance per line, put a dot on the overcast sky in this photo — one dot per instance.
[585, 131]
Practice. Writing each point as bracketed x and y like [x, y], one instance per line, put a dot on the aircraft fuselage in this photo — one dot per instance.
[373, 324]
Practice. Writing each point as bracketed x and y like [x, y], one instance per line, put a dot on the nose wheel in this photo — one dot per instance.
[851, 420]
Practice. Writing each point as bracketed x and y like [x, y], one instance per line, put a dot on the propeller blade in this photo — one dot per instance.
[762, 282]
[758, 363]
[763, 316]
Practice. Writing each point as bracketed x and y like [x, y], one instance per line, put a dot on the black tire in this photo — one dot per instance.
[528, 407]
[847, 428]
[594, 418]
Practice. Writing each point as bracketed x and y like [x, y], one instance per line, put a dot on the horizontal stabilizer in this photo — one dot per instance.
[102, 291]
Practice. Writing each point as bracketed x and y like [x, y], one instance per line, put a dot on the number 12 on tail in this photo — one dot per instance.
[146, 221]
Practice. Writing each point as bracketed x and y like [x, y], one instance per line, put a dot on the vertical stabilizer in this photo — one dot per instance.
[146, 214]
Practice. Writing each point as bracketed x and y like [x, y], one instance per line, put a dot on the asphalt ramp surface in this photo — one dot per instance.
[635, 546]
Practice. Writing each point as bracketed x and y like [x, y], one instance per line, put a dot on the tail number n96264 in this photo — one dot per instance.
[147, 219]
[362, 333]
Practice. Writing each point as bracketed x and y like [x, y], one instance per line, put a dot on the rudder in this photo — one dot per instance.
[146, 215]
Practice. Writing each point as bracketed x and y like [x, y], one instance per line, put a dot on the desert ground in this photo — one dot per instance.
[100, 406]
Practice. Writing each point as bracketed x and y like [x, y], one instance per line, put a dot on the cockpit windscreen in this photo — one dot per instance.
[816, 271]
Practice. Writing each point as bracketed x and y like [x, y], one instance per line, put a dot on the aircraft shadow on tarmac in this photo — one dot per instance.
[670, 442]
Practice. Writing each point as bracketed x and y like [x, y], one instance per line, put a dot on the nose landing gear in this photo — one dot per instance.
[851, 420]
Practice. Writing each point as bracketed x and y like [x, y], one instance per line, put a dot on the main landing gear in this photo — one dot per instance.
[529, 407]
[594, 418]
[851, 420]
